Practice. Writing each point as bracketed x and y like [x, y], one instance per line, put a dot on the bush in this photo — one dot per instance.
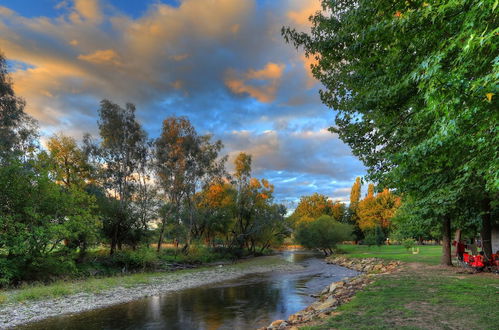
[374, 237]
[323, 234]
[49, 267]
[408, 243]
[195, 255]
[141, 258]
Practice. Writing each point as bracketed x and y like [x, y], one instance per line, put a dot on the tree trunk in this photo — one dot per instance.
[486, 232]
[446, 247]
[114, 242]
[161, 233]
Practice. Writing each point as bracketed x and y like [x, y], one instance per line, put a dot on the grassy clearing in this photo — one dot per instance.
[429, 254]
[96, 285]
[420, 296]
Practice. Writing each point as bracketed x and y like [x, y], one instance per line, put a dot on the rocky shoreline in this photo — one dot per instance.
[14, 314]
[338, 293]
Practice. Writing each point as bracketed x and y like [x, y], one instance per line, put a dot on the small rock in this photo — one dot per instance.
[278, 324]
[328, 303]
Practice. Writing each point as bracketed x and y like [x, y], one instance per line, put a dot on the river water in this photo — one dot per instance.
[248, 302]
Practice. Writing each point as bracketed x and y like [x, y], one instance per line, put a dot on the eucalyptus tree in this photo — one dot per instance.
[414, 86]
[121, 151]
[185, 162]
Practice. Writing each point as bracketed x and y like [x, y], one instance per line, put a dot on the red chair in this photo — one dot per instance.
[478, 262]
[495, 260]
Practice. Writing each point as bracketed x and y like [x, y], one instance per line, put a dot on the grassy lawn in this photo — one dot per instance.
[420, 296]
[429, 254]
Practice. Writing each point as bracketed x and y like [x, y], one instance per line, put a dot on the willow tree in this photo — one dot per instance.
[414, 85]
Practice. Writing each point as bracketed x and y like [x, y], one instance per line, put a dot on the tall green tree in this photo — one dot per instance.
[351, 215]
[414, 84]
[120, 152]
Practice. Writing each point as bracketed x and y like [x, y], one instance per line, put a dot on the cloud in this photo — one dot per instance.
[251, 81]
[87, 10]
[301, 11]
[222, 63]
[313, 152]
[105, 56]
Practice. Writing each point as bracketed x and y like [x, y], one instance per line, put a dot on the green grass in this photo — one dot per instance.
[419, 300]
[419, 296]
[429, 254]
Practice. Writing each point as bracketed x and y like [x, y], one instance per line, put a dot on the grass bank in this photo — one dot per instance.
[428, 254]
[420, 296]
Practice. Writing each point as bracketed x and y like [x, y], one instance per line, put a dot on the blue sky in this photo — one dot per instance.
[221, 63]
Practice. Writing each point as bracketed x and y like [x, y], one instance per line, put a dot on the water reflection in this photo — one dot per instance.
[246, 303]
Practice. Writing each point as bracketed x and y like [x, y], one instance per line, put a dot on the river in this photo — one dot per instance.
[248, 302]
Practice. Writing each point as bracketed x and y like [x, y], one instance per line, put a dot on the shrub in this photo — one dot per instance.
[141, 258]
[408, 243]
[323, 234]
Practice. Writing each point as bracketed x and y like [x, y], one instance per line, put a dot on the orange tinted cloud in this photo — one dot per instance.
[244, 83]
[308, 62]
[105, 56]
[303, 10]
[88, 10]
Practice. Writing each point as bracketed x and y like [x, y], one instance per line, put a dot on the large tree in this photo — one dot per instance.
[185, 162]
[68, 161]
[121, 151]
[414, 85]
[313, 206]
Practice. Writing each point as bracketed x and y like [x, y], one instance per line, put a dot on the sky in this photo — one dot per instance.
[221, 63]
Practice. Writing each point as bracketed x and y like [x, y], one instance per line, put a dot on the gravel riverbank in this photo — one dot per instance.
[13, 314]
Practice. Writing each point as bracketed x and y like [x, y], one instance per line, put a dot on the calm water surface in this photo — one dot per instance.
[246, 303]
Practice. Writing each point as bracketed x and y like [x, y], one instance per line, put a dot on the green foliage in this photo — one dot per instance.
[408, 243]
[18, 131]
[36, 216]
[374, 236]
[140, 259]
[323, 234]
[415, 88]
[316, 205]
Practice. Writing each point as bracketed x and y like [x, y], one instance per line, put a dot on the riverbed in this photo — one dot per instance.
[246, 302]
